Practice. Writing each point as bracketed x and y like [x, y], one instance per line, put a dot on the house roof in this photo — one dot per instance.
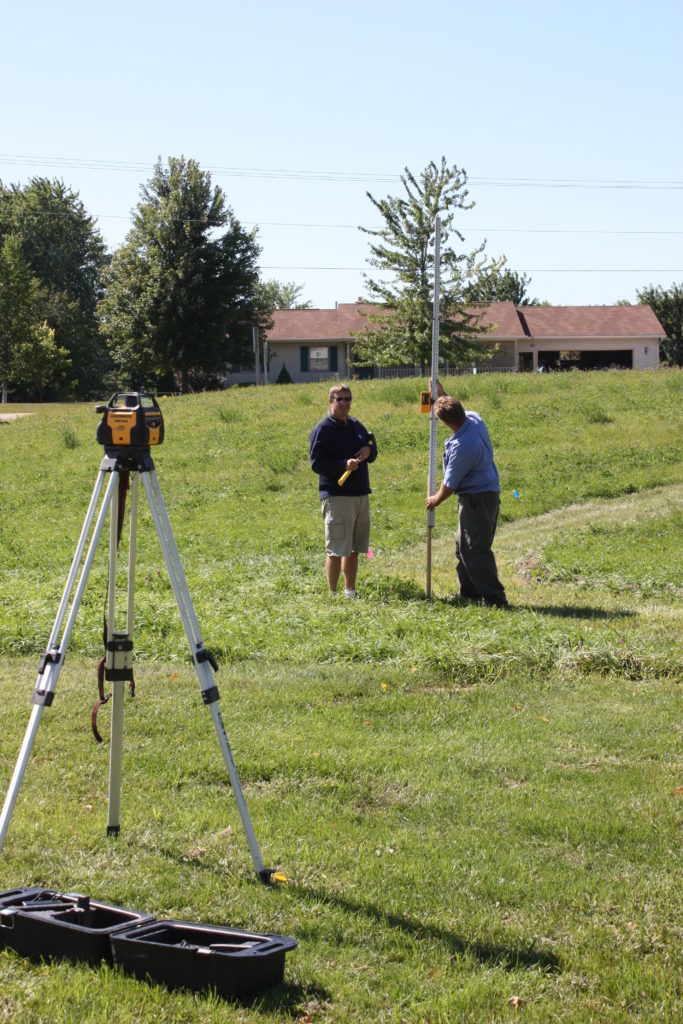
[505, 319]
[591, 321]
[319, 324]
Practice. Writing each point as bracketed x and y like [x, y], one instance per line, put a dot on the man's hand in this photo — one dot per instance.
[439, 388]
[441, 495]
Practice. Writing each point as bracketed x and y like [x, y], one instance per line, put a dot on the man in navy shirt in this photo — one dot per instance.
[340, 445]
[470, 472]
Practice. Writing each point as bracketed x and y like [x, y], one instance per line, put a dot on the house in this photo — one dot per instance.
[316, 344]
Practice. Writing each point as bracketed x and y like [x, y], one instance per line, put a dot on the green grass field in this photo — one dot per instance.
[479, 812]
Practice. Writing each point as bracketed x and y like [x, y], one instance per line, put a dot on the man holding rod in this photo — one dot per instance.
[340, 450]
[470, 472]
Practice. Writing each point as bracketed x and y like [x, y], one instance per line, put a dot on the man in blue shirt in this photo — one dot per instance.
[470, 472]
[340, 446]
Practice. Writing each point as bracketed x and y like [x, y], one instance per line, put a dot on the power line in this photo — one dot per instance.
[526, 270]
[17, 159]
[356, 227]
[463, 228]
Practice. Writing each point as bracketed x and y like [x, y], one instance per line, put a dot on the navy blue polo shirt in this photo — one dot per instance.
[332, 442]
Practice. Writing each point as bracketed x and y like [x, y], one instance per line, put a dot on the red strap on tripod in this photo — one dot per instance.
[124, 481]
[98, 704]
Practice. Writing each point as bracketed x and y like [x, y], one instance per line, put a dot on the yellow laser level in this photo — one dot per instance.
[130, 419]
[425, 401]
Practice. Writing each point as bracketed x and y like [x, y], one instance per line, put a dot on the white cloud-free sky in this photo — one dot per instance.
[566, 117]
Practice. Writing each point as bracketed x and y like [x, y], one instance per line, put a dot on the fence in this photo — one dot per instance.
[390, 372]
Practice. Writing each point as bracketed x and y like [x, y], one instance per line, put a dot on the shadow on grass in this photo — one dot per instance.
[287, 1000]
[571, 612]
[488, 954]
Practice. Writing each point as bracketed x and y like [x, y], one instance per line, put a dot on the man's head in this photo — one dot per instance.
[340, 401]
[450, 411]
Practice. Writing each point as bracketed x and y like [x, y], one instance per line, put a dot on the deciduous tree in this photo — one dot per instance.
[30, 358]
[497, 283]
[403, 251]
[668, 307]
[180, 293]
[65, 252]
[272, 295]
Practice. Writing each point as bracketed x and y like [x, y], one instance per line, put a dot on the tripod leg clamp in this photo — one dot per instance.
[44, 697]
[53, 656]
[201, 654]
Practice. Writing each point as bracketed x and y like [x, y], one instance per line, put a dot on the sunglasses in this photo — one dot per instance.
[342, 398]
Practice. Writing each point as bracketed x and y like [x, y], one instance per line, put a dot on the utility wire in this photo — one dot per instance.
[366, 227]
[526, 270]
[353, 176]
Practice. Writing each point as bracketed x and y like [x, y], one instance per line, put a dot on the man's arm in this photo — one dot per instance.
[441, 495]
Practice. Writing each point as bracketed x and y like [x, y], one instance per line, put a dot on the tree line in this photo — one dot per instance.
[177, 303]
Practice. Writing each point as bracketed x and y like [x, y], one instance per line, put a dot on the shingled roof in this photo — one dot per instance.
[505, 319]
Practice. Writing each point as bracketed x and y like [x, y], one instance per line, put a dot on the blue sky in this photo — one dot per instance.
[566, 117]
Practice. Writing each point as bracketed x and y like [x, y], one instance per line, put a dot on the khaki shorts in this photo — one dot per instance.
[347, 524]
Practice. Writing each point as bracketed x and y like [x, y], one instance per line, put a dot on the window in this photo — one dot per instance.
[319, 358]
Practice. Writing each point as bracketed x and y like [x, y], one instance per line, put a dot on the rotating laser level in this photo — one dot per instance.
[130, 419]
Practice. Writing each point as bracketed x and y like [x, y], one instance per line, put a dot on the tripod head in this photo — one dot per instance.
[131, 419]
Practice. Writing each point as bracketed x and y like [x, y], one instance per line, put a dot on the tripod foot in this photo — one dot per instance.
[113, 830]
[269, 876]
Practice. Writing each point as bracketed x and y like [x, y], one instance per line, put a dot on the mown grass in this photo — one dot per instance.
[470, 805]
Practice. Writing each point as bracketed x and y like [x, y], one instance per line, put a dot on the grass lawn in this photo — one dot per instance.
[479, 812]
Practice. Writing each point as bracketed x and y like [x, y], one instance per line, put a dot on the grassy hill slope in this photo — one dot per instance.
[472, 806]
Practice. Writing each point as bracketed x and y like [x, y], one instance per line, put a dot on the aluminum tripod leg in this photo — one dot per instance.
[200, 656]
[53, 658]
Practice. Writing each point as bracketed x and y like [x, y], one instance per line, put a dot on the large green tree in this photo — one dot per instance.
[400, 332]
[668, 307]
[180, 296]
[30, 359]
[66, 253]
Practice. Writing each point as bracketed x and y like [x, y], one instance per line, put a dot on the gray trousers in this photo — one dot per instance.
[476, 566]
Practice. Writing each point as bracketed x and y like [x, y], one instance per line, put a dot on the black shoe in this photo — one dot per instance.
[496, 602]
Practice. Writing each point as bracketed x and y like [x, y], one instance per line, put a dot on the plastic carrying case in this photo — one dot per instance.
[180, 954]
[39, 923]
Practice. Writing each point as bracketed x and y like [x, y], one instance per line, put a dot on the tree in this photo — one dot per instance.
[496, 283]
[66, 253]
[668, 308]
[272, 295]
[29, 356]
[180, 295]
[401, 330]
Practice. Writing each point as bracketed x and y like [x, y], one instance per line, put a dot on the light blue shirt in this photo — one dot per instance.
[468, 466]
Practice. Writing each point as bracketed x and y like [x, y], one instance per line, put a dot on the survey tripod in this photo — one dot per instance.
[131, 423]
